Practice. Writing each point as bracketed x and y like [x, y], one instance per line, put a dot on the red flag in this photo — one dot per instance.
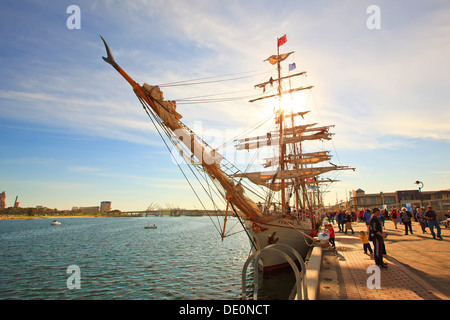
[282, 40]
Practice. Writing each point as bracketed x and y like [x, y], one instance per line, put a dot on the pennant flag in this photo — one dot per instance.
[278, 58]
[292, 66]
[282, 40]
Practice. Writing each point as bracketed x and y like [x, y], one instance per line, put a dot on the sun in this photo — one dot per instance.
[291, 103]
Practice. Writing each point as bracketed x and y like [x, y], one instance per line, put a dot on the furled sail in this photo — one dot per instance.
[302, 159]
[276, 186]
[304, 173]
[272, 140]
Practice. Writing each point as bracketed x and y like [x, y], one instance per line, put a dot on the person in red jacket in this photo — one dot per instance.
[330, 231]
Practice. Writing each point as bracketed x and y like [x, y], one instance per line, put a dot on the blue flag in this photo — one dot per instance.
[292, 66]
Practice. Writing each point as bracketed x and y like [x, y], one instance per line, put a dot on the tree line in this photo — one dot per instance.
[31, 212]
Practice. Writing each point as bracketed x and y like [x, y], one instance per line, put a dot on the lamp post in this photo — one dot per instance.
[382, 199]
[420, 183]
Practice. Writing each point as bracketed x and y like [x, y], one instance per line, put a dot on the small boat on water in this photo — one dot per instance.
[151, 227]
[55, 223]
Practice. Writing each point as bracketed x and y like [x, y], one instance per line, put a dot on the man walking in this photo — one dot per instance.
[377, 236]
[340, 219]
[406, 219]
[431, 218]
[367, 216]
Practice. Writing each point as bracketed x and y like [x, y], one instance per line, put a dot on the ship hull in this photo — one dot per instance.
[286, 231]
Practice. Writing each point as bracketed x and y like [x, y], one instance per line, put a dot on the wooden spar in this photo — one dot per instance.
[283, 92]
[304, 173]
[225, 219]
[275, 134]
[136, 87]
[212, 168]
[262, 85]
[286, 140]
[306, 156]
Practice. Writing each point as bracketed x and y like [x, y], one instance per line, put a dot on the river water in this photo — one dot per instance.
[184, 258]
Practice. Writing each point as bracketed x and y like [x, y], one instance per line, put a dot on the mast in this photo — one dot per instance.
[296, 174]
[294, 150]
[282, 145]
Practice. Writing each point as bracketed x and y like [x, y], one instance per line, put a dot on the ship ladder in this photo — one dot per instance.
[300, 277]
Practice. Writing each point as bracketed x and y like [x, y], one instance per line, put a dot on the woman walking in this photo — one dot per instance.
[394, 216]
[421, 219]
[348, 223]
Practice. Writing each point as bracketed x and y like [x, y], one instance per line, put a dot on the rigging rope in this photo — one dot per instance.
[196, 100]
[210, 95]
[256, 126]
[151, 115]
[192, 101]
[190, 82]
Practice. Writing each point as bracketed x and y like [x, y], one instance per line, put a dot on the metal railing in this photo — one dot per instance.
[300, 277]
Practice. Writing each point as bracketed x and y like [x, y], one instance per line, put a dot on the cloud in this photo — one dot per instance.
[372, 84]
[383, 86]
[104, 118]
[33, 160]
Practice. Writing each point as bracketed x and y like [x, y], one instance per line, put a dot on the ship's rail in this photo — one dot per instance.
[300, 277]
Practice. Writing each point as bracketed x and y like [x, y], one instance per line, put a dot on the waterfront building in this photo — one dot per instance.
[105, 206]
[440, 200]
[16, 203]
[89, 209]
[3, 200]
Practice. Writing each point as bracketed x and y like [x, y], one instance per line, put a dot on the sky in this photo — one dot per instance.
[74, 134]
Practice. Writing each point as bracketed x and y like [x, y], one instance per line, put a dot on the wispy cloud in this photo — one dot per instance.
[103, 118]
[379, 86]
[388, 83]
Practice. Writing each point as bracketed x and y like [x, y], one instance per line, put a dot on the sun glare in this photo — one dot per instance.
[295, 102]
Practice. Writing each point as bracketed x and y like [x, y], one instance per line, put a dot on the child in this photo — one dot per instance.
[365, 241]
[330, 231]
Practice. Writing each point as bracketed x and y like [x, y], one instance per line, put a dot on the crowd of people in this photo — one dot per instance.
[427, 218]
[375, 222]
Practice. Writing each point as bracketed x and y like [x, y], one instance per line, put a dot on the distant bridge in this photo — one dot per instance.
[174, 212]
[137, 212]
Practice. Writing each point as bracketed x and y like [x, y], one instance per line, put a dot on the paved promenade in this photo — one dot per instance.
[418, 266]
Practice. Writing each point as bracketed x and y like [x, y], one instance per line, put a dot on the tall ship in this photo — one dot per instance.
[281, 202]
